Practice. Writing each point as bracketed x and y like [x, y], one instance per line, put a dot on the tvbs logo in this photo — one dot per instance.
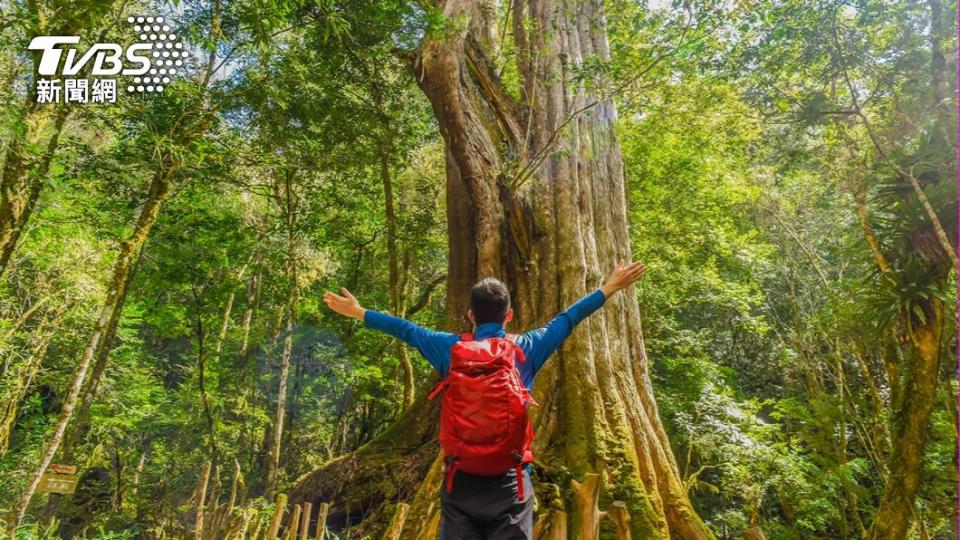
[146, 65]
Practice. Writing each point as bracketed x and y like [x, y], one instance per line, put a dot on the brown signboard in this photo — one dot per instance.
[56, 468]
[58, 483]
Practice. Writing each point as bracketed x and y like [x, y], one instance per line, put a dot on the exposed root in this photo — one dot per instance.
[388, 469]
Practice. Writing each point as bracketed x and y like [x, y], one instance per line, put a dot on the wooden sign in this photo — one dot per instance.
[56, 468]
[58, 483]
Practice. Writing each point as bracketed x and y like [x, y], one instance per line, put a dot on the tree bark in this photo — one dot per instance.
[545, 209]
[201, 500]
[911, 420]
[91, 389]
[396, 522]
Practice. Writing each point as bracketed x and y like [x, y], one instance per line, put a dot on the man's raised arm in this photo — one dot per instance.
[434, 346]
[543, 341]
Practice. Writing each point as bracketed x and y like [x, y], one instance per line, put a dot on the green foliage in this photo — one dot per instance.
[752, 135]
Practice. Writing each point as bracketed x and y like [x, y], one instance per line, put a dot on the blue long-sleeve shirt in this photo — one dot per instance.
[537, 345]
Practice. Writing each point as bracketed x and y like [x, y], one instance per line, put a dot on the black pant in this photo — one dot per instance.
[487, 508]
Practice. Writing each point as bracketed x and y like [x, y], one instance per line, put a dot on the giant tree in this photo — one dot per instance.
[535, 195]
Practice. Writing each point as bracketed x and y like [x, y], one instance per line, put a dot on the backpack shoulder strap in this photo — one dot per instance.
[512, 338]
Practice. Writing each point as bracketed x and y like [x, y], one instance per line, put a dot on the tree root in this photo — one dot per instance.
[388, 469]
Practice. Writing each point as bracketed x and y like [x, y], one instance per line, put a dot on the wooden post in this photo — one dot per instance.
[620, 516]
[202, 499]
[305, 520]
[396, 522]
[586, 497]
[754, 533]
[294, 523]
[277, 516]
[556, 526]
[322, 520]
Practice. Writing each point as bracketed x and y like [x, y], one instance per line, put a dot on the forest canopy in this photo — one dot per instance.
[786, 369]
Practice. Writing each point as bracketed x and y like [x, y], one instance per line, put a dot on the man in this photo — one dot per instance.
[487, 506]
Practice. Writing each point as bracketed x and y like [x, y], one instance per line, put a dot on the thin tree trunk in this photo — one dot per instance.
[396, 522]
[248, 367]
[18, 383]
[201, 500]
[274, 463]
[118, 478]
[18, 324]
[202, 375]
[213, 503]
[289, 212]
[941, 234]
[91, 389]
[159, 188]
[863, 213]
[23, 176]
[234, 487]
[892, 519]
[396, 300]
[222, 334]
[139, 472]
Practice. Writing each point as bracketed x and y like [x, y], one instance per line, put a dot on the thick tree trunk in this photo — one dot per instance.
[159, 188]
[536, 196]
[911, 420]
[545, 209]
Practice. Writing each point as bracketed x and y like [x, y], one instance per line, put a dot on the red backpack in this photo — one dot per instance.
[485, 428]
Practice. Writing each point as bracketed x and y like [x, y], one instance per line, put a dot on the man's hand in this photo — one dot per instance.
[344, 305]
[622, 276]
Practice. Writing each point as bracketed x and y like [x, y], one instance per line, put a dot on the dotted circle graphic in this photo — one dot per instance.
[165, 58]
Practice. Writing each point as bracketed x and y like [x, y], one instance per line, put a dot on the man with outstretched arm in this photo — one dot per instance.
[485, 430]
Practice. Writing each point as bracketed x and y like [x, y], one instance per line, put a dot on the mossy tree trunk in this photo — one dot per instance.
[535, 196]
[910, 425]
[25, 171]
[129, 247]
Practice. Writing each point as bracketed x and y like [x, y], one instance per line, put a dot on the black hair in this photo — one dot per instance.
[490, 301]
